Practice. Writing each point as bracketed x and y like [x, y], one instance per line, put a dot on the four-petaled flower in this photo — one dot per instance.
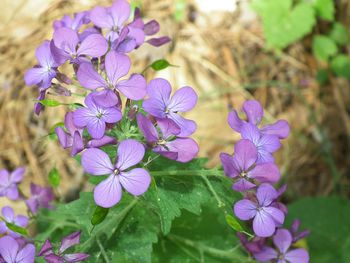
[40, 197]
[265, 217]
[9, 216]
[136, 181]
[12, 252]
[160, 105]
[8, 182]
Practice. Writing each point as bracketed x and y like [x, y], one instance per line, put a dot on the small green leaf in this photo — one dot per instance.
[180, 10]
[50, 103]
[323, 47]
[54, 177]
[74, 106]
[99, 215]
[233, 222]
[340, 65]
[339, 34]
[17, 229]
[160, 64]
[325, 9]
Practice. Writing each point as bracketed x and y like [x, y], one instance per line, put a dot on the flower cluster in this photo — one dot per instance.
[14, 247]
[120, 107]
[254, 172]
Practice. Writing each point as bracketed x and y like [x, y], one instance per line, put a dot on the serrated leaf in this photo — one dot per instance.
[325, 9]
[160, 64]
[99, 215]
[50, 103]
[54, 177]
[339, 34]
[284, 23]
[17, 229]
[340, 65]
[323, 47]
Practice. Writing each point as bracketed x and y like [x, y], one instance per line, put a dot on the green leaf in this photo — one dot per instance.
[233, 222]
[17, 229]
[50, 103]
[325, 9]
[339, 34]
[160, 64]
[54, 177]
[328, 220]
[180, 10]
[284, 23]
[340, 65]
[99, 215]
[323, 47]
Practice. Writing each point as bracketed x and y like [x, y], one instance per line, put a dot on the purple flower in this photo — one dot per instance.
[39, 197]
[66, 46]
[73, 23]
[252, 246]
[265, 216]
[9, 216]
[296, 234]
[160, 104]
[254, 113]
[244, 165]
[116, 66]
[166, 143]
[12, 253]
[50, 256]
[8, 182]
[136, 181]
[95, 117]
[43, 73]
[282, 240]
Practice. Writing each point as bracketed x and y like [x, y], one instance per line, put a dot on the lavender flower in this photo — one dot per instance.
[43, 73]
[135, 181]
[282, 240]
[39, 197]
[166, 143]
[9, 216]
[116, 66]
[11, 252]
[50, 256]
[295, 233]
[95, 117]
[265, 216]
[252, 246]
[160, 104]
[74, 23]
[8, 182]
[244, 165]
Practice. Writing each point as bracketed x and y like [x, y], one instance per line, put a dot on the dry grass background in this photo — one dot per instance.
[221, 54]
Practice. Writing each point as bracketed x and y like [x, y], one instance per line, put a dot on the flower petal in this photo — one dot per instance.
[266, 194]
[242, 185]
[250, 132]
[168, 127]
[8, 213]
[117, 65]
[245, 155]
[93, 45]
[8, 248]
[82, 117]
[108, 192]
[188, 127]
[105, 140]
[299, 255]
[263, 224]
[46, 249]
[21, 221]
[89, 78]
[183, 100]
[147, 128]
[96, 162]
[282, 240]
[234, 121]
[26, 254]
[186, 148]
[44, 56]
[96, 128]
[69, 241]
[158, 41]
[265, 173]
[130, 152]
[254, 111]
[34, 76]
[17, 175]
[136, 181]
[76, 257]
[106, 98]
[280, 128]
[4, 177]
[66, 39]
[245, 209]
[78, 144]
[133, 88]
[269, 143]
[12, 192]
[151, 28]
[276, 214]
[266, 254]
[229, 165]
[159, 92]
[99, 17]
[120, 11]
[112, 115]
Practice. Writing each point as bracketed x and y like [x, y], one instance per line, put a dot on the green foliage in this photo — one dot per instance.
[323, 47]
[328, 219]
[325, 9]
[340, 65]
[50, 103]
[322, 76]
[160, 64]
[339, 34]
[54, 177]
[17, 229]
[99, 215]
[284, 23]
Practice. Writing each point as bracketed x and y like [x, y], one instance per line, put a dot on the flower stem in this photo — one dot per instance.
[206, 173]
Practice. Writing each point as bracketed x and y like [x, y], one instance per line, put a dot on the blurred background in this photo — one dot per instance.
[292, 56]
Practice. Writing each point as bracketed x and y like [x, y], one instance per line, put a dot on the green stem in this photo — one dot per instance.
[103, 252]
[214, 173]
[212, 190]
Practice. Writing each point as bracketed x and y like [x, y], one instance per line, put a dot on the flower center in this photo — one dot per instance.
[161, 142]
[99, 115]
[116, 171]
[167, 110]
[243, 174]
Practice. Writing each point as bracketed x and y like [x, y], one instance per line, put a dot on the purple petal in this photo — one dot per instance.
[93, 45]
[12, 192]
[299, 255]
[89, 78]
[77, 257]
[133, 88]
[112, 115]
[245, 209]
[117, 66]
[234, 121]
[46, 249]
[96, 128]
[254, 111]
[44, 56]
[96, 162]
[100, 17]
[136, 181]
[245, 155]
[151, 28]
[35, 76]
[105, 140]
[250, 132]
[8, 213]
[276, 214]
[17, 175]
[168, 127]
[52, 258]
[130, 152]
[26, 254]
[263, 224]
[164, 152]
[188, 127]
[266, 194]
[147, 128]
[21, 221]
[183, 100]
[265, 173]
[69, 122]
[65, 140]
[120, 11]
[82, 117]
[78, 144]
[4, 177]
[266, 255]
[59, 55]
[229, 165]
[157, 42]
[269, 143]
[3, 227]
[186, 148]
[242, 185]
[108, 192]
[159, 92]
[133, 40]
[282, 240]
[106, 98]
[280, 128]
[66, 39]
[69, 241]
[8, 248]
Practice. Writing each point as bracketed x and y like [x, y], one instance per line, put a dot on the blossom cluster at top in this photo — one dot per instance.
[254, 172]
[142, 118]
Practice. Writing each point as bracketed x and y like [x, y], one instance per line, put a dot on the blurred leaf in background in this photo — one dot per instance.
[323, 47]
[325, 9]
